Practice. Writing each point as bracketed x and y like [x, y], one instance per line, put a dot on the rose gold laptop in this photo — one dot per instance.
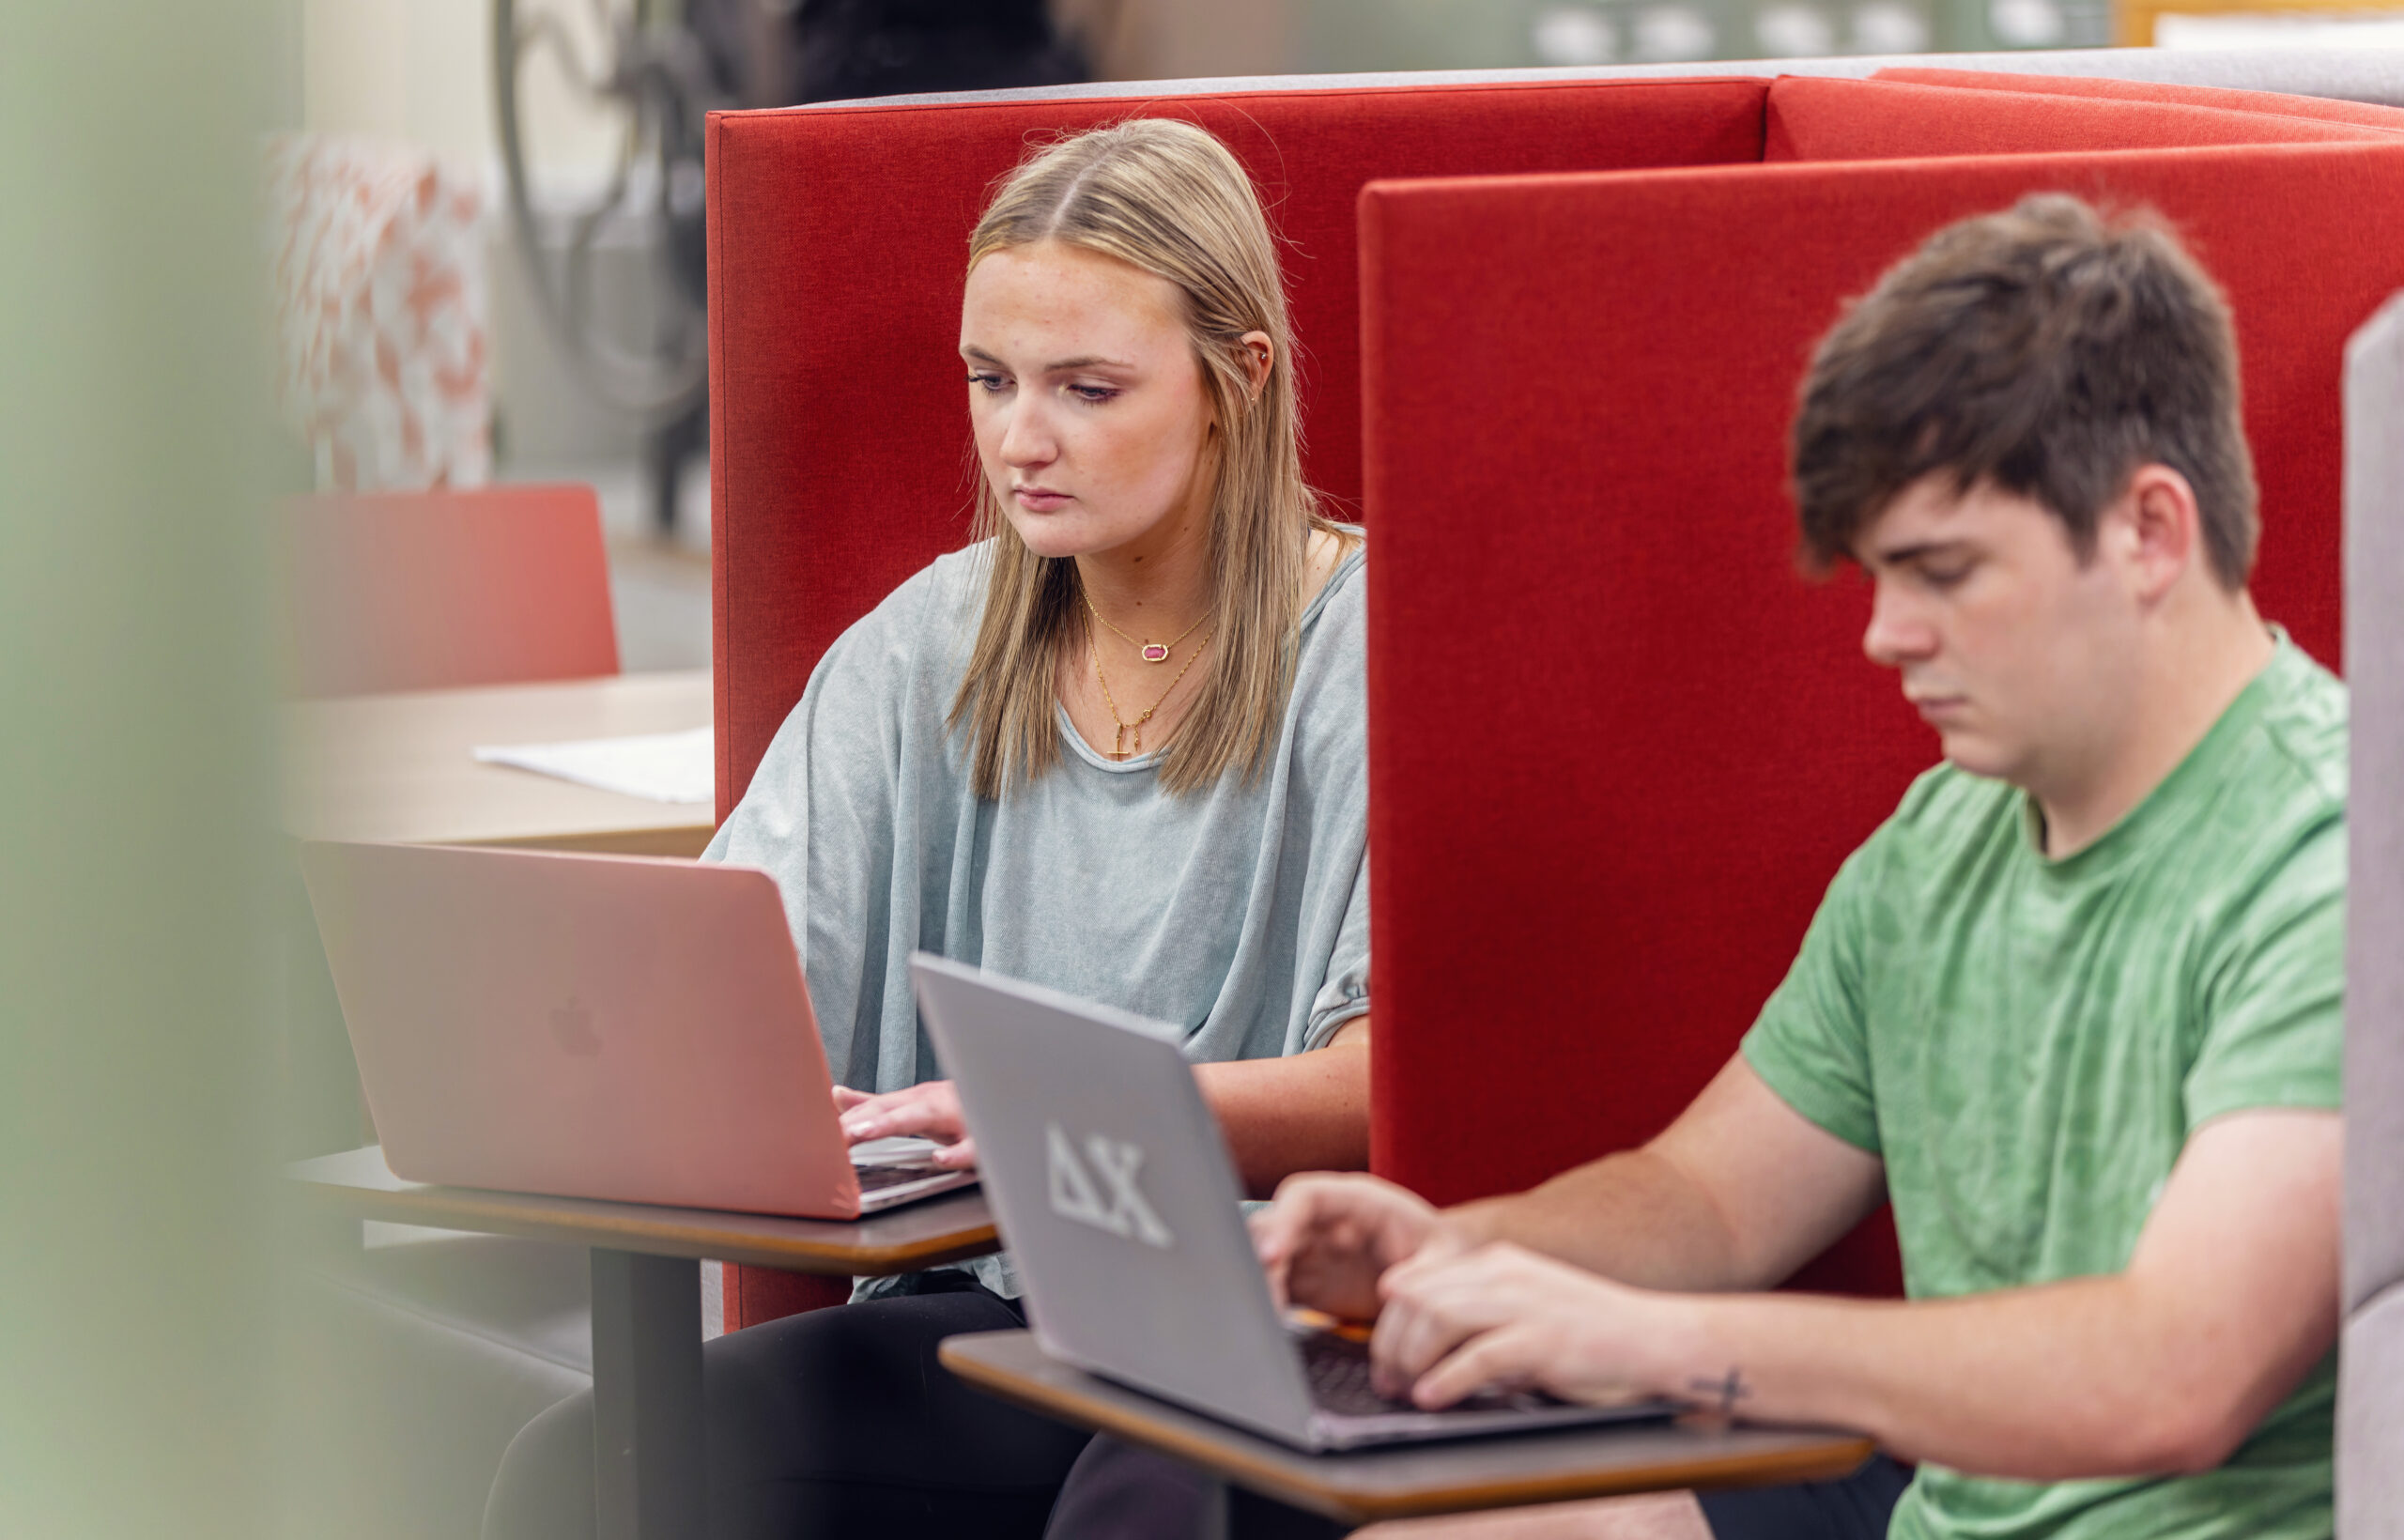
[595, 1026]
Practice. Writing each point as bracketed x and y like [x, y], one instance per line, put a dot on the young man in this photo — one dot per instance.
[2074, 1007]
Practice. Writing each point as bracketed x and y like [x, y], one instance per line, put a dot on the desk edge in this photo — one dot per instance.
[1346, 1505]
[448, 1209]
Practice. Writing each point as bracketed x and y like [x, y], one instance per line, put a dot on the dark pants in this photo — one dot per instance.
[1120, 1492]
[835, 1422]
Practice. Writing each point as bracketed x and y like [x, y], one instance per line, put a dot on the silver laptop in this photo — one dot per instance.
[1110, 1179]
[596, 1027]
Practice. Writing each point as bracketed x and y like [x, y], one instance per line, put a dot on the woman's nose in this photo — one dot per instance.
[1027, 437]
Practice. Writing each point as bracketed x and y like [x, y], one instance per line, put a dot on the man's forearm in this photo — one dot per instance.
[1633, 1216]
[1306, 1111]
[1736, 1195]
[2084, 1378]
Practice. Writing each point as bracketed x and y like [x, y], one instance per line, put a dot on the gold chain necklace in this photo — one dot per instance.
[1118, 746]
[1150, 652]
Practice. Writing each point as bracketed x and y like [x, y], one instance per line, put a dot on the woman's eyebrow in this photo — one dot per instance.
[1083, 360]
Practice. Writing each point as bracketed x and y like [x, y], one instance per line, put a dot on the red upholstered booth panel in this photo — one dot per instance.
[2276, 103]
[1816, 119]
[1618, 745]
[838, 238]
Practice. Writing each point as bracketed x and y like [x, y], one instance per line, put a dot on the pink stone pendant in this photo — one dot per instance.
[1155, 653]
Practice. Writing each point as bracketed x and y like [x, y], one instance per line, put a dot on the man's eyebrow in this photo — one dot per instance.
[1917, 551]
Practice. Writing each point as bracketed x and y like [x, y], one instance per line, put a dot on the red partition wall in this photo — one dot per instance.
[2275, 103]
[837, 240]
[1618, 745]
[1822, 119]
[839, 453]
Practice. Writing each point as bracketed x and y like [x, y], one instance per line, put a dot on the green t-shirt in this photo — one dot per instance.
[2027, 1044]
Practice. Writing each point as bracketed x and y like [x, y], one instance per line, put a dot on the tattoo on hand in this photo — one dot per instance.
[1727, 1391]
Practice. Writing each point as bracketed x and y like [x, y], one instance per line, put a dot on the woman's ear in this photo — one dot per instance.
[1260, 357]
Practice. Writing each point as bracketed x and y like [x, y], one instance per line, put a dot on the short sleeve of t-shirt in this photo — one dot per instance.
[1345, 994]
[2274, 1001]
[1811, 1043]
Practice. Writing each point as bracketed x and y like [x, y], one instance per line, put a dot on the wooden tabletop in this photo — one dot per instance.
[1366, 1486]
[903, 1240]
[396, 767]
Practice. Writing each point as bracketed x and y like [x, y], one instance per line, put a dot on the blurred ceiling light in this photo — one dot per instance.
[1795, 31]
[1572, 35]
[1674, 35]
[1884, 27]
[2028, 23]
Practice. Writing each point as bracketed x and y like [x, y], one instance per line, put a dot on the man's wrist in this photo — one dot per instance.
[1683, 1355]
[1474, 1223]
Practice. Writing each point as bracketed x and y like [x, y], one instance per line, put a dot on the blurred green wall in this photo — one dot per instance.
[136, 763]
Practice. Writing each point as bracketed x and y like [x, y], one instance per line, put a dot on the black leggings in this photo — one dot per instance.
[834, 1423]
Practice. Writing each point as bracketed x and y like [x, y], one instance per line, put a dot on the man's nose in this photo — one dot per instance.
[1898, 632]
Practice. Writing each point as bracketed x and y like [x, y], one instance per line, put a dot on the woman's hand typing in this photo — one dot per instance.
[928, 1111]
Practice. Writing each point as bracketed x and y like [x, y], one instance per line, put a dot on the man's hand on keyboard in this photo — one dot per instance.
[1501, 1317]
[930, 1110]
[1329, 1238]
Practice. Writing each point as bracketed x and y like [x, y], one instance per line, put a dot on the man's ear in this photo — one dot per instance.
[2159, 529]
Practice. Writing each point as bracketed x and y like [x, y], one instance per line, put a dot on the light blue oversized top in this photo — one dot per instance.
[1240, 912]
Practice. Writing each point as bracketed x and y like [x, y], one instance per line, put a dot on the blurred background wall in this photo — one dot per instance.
[136, 767]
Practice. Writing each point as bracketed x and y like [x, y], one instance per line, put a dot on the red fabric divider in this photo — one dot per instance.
[840, 451]
[839, 443]
[2277, 103]
[748, 1296]
[1618, 745]
[1826, 119]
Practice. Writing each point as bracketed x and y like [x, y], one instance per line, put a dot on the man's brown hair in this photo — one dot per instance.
[2044, 349]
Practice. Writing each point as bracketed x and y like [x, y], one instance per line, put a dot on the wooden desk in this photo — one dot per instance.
[649, 1427]
[1367, 1486]
[396, 767]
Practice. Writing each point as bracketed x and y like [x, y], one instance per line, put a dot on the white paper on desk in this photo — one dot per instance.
[659, 767]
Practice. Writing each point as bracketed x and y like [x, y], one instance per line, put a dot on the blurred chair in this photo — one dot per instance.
[413, 591]
[379, 290]
[2370, 1365]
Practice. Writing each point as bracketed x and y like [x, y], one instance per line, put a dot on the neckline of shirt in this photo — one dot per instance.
[1343, 572]
[2135, 830]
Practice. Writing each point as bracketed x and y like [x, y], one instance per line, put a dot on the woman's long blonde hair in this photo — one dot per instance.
[1166, 198]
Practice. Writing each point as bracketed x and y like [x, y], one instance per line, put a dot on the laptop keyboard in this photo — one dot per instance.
[876, 1178]
[1337, 1369]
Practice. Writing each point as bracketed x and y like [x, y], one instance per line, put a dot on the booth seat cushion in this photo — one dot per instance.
[2276, 103]
[838, 244]
[1813, 118]
[1618, 745]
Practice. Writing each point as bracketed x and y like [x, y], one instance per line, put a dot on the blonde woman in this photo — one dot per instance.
[1116, 746]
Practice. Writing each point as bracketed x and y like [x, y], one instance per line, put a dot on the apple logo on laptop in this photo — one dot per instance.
[572, 1025]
